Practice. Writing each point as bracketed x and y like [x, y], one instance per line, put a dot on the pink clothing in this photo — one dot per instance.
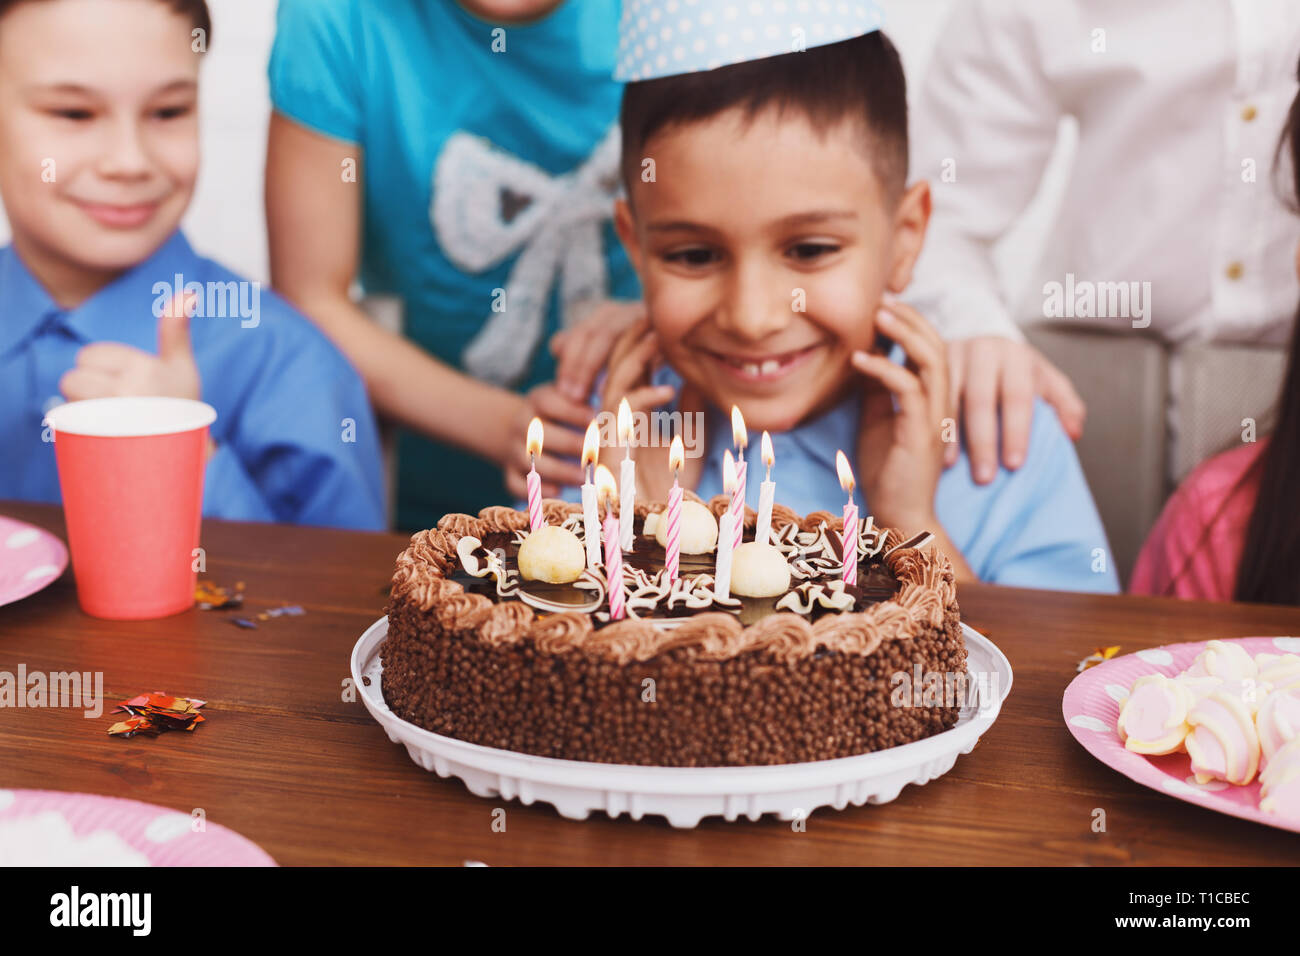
[1196, 545]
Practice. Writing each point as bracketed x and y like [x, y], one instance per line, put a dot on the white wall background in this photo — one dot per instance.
[227, 222]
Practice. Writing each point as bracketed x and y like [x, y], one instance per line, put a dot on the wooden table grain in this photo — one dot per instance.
[290, 763]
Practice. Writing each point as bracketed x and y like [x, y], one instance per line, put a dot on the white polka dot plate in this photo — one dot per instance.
[30, 559]
[1091, 710]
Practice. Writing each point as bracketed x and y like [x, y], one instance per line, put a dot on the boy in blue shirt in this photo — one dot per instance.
[769, 218]
[101, 295]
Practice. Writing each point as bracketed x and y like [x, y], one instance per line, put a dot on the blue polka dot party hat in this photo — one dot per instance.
[660, 38]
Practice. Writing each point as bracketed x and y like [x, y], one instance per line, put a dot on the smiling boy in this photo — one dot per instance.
[99, 154]
[771, 240]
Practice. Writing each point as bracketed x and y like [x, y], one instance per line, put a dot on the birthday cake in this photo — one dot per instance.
[816, 669]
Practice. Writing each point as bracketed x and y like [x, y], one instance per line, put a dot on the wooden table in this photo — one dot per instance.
[286, 761]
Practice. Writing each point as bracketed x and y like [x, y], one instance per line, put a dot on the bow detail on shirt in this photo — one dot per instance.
[489, 205]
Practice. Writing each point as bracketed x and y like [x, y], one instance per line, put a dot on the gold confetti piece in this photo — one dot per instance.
[1098, 656]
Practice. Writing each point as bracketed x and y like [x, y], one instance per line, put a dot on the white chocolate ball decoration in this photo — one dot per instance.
[552, 554]
[759, 571]
[699, 533]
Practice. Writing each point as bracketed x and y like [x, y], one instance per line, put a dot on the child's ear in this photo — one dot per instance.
[625, 226]
[910, 222]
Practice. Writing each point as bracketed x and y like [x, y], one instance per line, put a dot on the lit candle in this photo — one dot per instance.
[627, 478]
[722, 571]
[849, 538]
[766, 493]
[607, 491]
[534, 480]
[740, 438]
[673, 549]
[590, 520]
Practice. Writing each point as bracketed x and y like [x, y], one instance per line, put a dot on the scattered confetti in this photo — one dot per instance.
[1096, 657]
[213, 597]
[157, 713]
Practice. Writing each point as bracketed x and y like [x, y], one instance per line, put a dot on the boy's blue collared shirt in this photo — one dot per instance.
[283, 393]
[1036, 527]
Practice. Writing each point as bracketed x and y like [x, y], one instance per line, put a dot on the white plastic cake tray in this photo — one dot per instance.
[686, 795]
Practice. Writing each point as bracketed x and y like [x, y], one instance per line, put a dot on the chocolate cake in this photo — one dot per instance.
[688, 679]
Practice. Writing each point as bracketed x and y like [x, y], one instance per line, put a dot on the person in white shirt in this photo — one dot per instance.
[1179, 105]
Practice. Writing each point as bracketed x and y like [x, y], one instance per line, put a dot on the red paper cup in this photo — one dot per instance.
[131, 471]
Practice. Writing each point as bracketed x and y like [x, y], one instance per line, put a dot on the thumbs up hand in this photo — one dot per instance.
[110, 368]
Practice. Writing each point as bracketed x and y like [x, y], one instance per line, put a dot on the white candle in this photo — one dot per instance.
[590, 519]
[726, 527]
[626, 478]
[766, 494]
[722, 570]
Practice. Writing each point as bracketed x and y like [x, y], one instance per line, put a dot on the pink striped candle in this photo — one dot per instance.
[849, 544]
[849, 535]
[614, 568]
[740, 437]
[673, 548]
[535, 521]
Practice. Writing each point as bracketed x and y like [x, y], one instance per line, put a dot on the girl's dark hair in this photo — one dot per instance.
[860, 78]
[196, 10]
[1270, 562]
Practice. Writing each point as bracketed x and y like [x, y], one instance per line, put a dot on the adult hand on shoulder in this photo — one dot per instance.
[992, 375]
[584, 348]
[106, 369]
[581, 352]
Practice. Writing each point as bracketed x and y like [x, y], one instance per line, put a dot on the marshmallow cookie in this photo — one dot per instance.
[1281, 671]
[1280, 783]
[1223, 660]
[1222, 743]
[1154, 718]
[1278, 720]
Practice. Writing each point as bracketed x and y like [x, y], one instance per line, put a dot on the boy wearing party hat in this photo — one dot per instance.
[769, 216]
[101, 295]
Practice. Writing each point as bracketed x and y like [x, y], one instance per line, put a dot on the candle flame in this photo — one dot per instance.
[606, 486]
[535, 437]
[624, 422]
[739, 437]
[845, 472]
[676, 454]
[769, 457]
[728, 472]
[591, 446]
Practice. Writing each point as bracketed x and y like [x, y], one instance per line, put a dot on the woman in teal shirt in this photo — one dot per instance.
[463, 157]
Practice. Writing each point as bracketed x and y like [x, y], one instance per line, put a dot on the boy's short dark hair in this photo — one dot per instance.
[196, 10]
[860, 79]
